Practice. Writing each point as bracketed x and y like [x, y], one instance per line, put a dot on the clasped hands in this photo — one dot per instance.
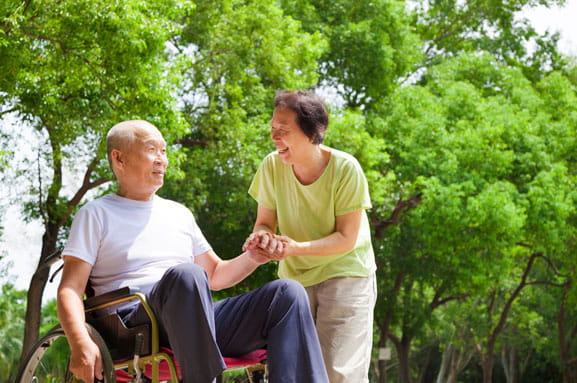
[269, 246]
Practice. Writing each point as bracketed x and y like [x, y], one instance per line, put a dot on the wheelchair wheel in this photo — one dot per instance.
[47, 362]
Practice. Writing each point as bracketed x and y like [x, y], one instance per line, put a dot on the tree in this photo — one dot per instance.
[472, 143]
[371, 46]
[449, 28]
[71, 70]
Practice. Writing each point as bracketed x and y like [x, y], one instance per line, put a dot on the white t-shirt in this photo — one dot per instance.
[132, 243]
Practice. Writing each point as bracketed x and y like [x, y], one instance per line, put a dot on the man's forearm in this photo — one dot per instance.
[229, 273]
[71, 317]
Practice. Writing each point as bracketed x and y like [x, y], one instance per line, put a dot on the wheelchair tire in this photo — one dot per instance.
[47, 362]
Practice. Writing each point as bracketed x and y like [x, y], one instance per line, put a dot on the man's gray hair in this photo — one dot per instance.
[122, 135]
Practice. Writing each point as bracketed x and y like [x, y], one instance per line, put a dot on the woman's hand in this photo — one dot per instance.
[265, 244]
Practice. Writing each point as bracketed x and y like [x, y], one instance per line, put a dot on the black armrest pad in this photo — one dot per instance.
[110, 296]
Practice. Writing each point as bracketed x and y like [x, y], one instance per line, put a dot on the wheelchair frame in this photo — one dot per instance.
[147, 351]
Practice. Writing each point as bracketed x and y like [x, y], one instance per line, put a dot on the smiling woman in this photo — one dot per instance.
[317, 196]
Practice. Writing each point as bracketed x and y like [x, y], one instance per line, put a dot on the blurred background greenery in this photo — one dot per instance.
[462, 115]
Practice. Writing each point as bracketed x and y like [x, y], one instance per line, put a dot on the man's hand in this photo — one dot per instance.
[265, 245]
[86, 362]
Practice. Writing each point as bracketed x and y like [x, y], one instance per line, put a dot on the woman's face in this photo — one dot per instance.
[289, 139]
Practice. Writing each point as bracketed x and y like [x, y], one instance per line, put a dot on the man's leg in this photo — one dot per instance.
[183, 306]
[276, 316]
[344, 321]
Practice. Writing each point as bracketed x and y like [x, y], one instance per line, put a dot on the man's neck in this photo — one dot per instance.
[137, 196]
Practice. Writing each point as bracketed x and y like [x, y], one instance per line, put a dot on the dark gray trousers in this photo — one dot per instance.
[276, 317]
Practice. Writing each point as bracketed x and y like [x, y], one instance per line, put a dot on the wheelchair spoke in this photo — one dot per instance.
[48, 361]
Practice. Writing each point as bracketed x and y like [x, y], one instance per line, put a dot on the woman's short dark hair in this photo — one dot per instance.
[312, 115]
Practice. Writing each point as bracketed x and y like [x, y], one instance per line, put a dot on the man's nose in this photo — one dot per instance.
[161, 158]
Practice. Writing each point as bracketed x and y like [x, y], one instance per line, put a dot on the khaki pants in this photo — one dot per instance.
[342, 309]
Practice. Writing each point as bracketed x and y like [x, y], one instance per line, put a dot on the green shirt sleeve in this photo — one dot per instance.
[262, 188]
[352, 192]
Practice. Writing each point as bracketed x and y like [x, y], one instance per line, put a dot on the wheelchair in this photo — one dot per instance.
[129, 354]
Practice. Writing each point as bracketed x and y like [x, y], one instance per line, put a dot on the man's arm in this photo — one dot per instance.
[85, 360]
[222, 274]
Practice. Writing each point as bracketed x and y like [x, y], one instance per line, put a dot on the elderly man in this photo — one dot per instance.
[135, 238]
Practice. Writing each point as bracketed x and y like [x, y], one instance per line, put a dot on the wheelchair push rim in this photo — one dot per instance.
[47, 362]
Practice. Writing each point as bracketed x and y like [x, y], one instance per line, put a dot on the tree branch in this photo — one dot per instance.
[380, 226]
[84, 188]
[505, 312]
[40, 202]
[439, 302]
[395, 339]
[551, 265]
[189, 142]
[8, 111]
[546, 283]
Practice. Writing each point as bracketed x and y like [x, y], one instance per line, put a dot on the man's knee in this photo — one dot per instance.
[185, 275]
[290, 290]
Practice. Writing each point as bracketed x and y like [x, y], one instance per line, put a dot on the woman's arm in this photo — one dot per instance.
[265, 220]
[343, 239]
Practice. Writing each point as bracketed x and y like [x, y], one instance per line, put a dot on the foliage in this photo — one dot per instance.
[371, 45]
[466, 136]
[449, 28]
[476, 141]
[12, 308]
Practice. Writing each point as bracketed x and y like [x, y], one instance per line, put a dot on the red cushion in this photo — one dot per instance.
[254, 357]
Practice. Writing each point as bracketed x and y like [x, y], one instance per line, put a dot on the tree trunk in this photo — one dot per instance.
[382, 371]
[403, 350]
[453, 362]
[510, 361]
[382, 363]
[566, 339]
[487, 366]
[35, 292]
[54, 215]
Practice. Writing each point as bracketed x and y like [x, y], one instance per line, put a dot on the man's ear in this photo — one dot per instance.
[116, 158]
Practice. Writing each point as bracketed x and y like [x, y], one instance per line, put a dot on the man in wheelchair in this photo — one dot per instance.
[135, 238]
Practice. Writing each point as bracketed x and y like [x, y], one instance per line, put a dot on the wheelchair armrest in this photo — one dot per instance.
[114, 295]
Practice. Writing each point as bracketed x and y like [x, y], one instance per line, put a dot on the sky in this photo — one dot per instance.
[558, 19]
[23, 240]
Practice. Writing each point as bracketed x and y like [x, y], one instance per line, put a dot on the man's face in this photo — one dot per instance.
[144, 162]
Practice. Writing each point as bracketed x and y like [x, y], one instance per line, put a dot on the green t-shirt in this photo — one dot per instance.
[308, 212]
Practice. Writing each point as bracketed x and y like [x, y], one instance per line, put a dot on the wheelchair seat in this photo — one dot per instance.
[250, 361]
